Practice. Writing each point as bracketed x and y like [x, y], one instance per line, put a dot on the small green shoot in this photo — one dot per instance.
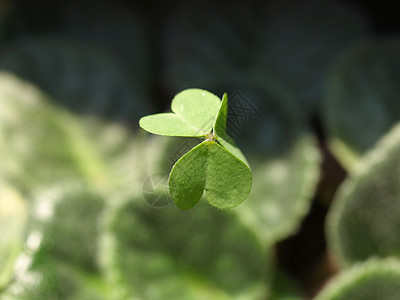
[216, 165]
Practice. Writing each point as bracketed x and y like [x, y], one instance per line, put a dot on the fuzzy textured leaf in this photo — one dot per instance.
[59, 258]
[13, 218]
[364, 220]
[36, 136]
[372, 280]
[273, 209]
[170, 255]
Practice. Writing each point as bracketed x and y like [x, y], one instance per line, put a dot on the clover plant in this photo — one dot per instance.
[215, 165]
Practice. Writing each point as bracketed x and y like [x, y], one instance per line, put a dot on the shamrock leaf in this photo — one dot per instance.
[215, 165]
[193, 114]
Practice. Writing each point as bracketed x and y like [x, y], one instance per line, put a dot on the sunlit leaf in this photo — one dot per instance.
[13, 218]
[40, 142]
[193, 114]
[59, 259]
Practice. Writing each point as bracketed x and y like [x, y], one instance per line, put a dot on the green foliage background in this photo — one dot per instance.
[84, 209]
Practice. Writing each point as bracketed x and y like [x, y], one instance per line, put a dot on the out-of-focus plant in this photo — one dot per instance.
[165, 261]
[374, 279]
[364, 220]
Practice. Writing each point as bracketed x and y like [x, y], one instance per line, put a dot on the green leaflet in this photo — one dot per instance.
[170, 255]
[216, 165]
[220, 130]
[226, 179]
[372, 280]
[364, 220]
[194, 112]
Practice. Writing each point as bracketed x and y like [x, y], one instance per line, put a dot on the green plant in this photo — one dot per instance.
[215, 165]
[75, 222]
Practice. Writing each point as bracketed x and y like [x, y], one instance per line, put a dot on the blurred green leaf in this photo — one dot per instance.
[362, 93]
[60, 254]
[167, 254]
[13, 218]
[32, 285]
[40, 142]
[283, 187]
[372, 280]
[65, 217]
[123, 154]
[364, 220]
